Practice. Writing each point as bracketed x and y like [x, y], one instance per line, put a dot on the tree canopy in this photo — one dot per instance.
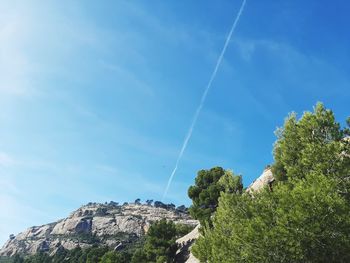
[206, 191]
[313, 143]
[160, 245]
[306, 216]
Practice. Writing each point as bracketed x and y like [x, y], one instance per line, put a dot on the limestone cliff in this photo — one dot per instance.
[105, 224]
[109, 224]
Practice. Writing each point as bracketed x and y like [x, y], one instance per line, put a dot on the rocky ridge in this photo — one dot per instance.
[105, 224]
[110, 224]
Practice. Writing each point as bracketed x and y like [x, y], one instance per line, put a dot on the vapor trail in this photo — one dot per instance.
[204, 96]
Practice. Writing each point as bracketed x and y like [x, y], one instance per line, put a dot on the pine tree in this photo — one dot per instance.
[306, 216]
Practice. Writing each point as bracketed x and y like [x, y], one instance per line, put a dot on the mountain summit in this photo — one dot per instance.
[112, 225]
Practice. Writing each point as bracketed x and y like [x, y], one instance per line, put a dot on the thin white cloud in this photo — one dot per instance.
[204, 96]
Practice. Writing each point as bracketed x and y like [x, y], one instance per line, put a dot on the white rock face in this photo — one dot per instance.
[105, 224]
[72, 225]
[263, 180]
[186, 242]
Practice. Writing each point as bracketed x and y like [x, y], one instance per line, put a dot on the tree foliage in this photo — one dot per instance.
[206, 191]
[313, 143]
[306, 216]
[89, 255]
[160, 244]
[115, 257]
[306, 221]
[182, 229]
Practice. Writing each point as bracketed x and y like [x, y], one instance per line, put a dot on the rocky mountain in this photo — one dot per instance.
[103, 224]
[110, 224]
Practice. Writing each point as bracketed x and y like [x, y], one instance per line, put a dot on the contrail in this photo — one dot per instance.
[204, 96]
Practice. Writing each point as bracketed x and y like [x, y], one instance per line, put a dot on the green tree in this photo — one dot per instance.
[17, 259]
[115, 257]
[303, 221]
[206, 191]
[160, 244]
[139, 256]
[95, 253]
[74, 254]
[60, 256]
[38, 258]
[182, 229]
[313, 143]
[306, 216]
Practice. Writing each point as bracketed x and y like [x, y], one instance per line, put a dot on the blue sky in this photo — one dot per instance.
[96, 97]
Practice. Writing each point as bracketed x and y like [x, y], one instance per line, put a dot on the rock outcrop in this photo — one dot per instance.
[265, 179]
[109, 224]
[185, 243]
[104, 224]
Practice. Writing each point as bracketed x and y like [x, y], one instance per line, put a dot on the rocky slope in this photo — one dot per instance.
[109, 224]
[105, 224]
